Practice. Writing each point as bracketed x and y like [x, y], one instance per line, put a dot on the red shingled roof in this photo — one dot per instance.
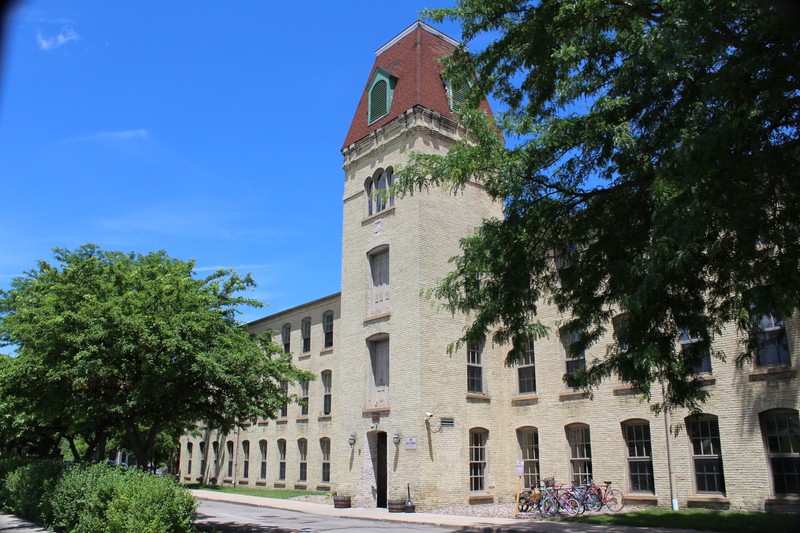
[413, 60]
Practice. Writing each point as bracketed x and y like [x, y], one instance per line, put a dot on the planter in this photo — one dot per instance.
[410, 507]
[341, 502]
[397, 506]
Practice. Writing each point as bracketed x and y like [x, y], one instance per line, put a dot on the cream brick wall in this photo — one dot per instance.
[422, 233]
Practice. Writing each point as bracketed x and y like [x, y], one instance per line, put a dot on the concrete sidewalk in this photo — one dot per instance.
[465, 524]
[17, 525]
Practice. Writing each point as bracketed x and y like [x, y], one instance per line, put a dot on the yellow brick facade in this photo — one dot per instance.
[429, 409]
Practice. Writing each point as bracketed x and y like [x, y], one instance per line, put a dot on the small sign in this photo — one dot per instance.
[376, 418]
[411, 443]
[520, 467]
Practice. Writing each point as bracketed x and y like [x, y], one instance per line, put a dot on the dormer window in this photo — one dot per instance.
[380, 90]
[456, 94]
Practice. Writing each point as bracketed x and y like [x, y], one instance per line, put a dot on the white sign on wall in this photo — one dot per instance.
[520, 467]
[411, 443]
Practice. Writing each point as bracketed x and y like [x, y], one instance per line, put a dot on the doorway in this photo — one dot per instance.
[379, 464]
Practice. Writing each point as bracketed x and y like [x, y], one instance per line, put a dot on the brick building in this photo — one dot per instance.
[391, 409]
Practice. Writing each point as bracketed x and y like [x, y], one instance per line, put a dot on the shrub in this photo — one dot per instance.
[82, 496]
[8, 465]
[28, 488]
[147, 503]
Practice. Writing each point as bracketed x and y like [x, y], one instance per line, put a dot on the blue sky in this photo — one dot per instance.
[208, 129]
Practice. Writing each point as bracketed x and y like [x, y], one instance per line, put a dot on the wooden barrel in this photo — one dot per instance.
[397, 506]
[341, 502]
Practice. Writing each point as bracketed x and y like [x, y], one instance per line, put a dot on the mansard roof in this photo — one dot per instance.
[412, 59]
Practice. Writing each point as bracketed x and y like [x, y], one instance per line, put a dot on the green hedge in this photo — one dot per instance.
[96, 498]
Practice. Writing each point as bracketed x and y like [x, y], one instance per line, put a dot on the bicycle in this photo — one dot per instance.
[588, 500]
[610, 499]
[537, 499]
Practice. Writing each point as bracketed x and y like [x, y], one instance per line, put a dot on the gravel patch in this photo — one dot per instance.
[319, 498]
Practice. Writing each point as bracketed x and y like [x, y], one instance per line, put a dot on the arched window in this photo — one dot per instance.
[640, 455]
[229, 446]
[302, 452]
[285, 405]
[703, 431]
[327, 327]
[286, 336]
[325, 449]
[378, 191]
[189, 448]
[528, 439]
[305, 331]
[202, 446]
[781, 431]
[281, 459]
[326, 392]
[478, 437]
[262, 450]
[245, 459]
[580, 452]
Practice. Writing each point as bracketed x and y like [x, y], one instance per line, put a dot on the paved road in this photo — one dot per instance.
[12, 523]
[225, 517]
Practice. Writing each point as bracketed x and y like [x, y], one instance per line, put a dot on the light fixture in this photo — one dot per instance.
[396, 439]
[352, 439]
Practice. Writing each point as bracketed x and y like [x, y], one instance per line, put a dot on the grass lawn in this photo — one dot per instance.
[701, 520]
[282, 494]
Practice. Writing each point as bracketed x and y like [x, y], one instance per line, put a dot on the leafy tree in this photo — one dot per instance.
[651, 170]
[111, 343]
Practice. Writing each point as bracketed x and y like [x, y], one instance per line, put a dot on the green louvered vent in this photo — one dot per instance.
[457, 94]
[378, 100]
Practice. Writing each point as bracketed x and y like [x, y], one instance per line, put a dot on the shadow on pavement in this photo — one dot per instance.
[217, 526]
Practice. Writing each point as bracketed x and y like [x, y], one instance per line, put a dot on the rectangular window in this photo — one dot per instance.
[706, 454]
[526, 371]
[245, 459]
[229, 446]
[304, 396]
[576, 361]
[282, 460]
[305, 330]
[326, 392]
[782, 434]
[262, 449]
[378, 378]
[640, 457]
[620, 324]
[475, 368]
[690, 348]
[327, 326]
[302, 450]
[286, 336]
[477, 459]
[580, 454]
[528, 439]
[379, 283]
[189, 447]
[325, 447]
[773, 349]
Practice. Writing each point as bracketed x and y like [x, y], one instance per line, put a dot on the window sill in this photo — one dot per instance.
[706, 380]
[281, 421]
[324, 418]
[477, 397]
[263, 423]
[375, 318]
[302, 419]
[708, 498]
[244, 482]
[765, 372]
[324, 487]
[525, 399]
[188, 477]
[261, 483]
[572, 395]
[326, 351]
[279, 485]
[303, 356]
[300, 485]
[644, 497]
[477, 499]
[370, 219]
[371, 410]
[227, 480]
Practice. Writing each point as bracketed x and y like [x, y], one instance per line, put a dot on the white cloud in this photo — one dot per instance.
[123, 135]
[56, 41]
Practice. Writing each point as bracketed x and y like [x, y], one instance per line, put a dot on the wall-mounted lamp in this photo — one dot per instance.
[352, 439]
[396, 439]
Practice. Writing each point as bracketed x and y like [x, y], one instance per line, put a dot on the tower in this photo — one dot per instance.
[394, 367]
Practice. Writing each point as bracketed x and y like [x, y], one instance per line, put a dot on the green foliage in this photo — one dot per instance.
[150, 504]
[651, 169]
[111, 344]
[28, 489]
[7, 466]
[81, 498]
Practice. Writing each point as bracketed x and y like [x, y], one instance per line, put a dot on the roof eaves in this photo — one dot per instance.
[417, 24]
